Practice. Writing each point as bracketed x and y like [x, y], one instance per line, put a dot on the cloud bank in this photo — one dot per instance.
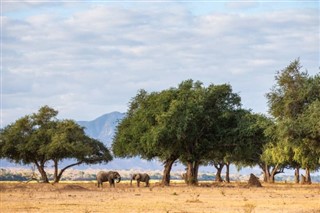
[89, 59]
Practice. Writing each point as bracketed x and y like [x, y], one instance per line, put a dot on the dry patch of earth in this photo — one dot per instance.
[86, 197]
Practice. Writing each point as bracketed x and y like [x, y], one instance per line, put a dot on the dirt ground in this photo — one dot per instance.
[208, 197]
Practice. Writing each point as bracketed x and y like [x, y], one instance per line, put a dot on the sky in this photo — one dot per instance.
[88, 58]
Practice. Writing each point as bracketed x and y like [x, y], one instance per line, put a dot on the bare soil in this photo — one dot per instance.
[207, 197]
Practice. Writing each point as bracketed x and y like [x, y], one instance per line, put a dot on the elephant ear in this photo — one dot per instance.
[137, 176]
[115, 174]
[111, 176]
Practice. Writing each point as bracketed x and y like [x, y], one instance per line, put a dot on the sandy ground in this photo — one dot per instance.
[86, 197]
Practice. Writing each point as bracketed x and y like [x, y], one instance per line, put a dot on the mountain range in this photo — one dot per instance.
[103, 128]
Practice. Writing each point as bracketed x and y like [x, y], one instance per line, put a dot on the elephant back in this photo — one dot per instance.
[103, 176]
[146, 177]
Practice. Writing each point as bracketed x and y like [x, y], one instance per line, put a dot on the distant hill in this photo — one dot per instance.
[103, 128]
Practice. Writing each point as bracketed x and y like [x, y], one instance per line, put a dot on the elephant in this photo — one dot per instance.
[140, 177]
[108, 176]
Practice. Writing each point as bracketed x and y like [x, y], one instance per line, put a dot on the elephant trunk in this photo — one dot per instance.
[119, 179]
[131, 182]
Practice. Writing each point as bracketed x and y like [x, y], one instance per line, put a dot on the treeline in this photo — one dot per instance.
[200, 125]
[193, 124]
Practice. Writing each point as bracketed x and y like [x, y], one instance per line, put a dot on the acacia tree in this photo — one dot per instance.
[226, 138]
[291, 101]
[173, 124]
[40, 138]
[187, 113]
[247, 140]
[143, 133]
[307, 128]
[162, 125]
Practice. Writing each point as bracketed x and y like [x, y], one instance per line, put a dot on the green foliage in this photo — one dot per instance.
[40, 137]
[184, 122]
[251, 136]
[294, 102]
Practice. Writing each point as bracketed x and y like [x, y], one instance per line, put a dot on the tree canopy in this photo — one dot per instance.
[184, 123]
[41, 138]
[294, 103]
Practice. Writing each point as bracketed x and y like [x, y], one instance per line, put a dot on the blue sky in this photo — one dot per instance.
[90, 58]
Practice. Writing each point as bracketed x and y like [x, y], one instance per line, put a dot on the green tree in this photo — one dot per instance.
[249, 140]
[173, 124]
[143, 132]
[223, 133]
[40, 138]
[291, 102]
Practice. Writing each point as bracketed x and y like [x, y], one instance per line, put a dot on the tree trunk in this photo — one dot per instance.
[55, 174]
[58, 177]
[42, 172]
[269, 176]
[219, 167]
[308, 177]
[228, 172]
[274, 171]
[266, 172]
[297, 175]
[192, 172]
[166, 172]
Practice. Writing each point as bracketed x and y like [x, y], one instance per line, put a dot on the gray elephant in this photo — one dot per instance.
[108, 176]
[140, 177]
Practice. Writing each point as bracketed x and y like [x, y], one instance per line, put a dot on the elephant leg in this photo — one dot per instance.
[99, 183]
[138, 183]
[112, 183]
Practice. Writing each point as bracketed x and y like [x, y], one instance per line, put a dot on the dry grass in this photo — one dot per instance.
[86, 197]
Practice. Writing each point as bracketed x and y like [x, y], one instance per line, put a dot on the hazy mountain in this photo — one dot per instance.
[103, 128]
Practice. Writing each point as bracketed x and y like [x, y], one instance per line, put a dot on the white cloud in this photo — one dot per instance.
[92, 61]
[242, 5]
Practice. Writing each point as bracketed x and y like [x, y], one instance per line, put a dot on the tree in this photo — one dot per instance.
[143, 133]
[40, 138]
[307, 129]
[250, 137]
[177, 123]
[292, 101]
[224, 135]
